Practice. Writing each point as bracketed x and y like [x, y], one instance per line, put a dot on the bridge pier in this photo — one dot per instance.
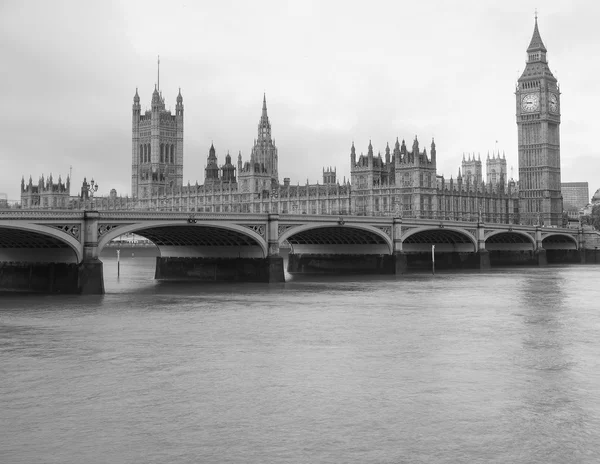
[274, 259]
[312, 263]
[483, 259]
[212, 269]
[85, 278]
[400, 263]
[540, 257]
[400, 259]
[90, 279]
[230, 266]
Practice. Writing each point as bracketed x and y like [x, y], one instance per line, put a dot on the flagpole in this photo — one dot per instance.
[433, 259]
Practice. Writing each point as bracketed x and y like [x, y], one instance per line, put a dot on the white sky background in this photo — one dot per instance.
[333, 73]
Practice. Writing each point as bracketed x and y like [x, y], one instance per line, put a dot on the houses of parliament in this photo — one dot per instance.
[402, 182]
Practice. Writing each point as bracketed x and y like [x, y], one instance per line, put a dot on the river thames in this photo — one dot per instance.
[499, 366]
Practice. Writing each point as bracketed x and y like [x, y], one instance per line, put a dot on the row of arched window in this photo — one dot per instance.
[167, 153]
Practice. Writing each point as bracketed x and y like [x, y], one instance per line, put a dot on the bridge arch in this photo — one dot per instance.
[23, 242]
[509, 240]
[445, 239]
[559, 241]
[336, 238]
[211, 237]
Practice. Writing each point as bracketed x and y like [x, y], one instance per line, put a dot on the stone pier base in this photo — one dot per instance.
[483, 260]
[400, 263]
[220, 269]
[52, 278]
[541, 258]
[589, 256]
[499, 258]
[91, 278]
[340, 264]
[565, 257]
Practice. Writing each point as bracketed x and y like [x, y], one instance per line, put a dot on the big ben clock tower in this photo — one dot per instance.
[538, 122]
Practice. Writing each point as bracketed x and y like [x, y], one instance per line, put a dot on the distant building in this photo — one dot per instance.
[575, 195]
[45, 193]
[495, 169]
[471, 169]
[587, 209]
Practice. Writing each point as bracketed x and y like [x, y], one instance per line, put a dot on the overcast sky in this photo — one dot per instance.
[333, 72]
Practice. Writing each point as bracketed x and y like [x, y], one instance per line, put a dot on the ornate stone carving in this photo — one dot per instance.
[273, 249]
[386, 230]
[258, 228]
[282, 229]
[473, 232]
[71, 229]
[104, 228]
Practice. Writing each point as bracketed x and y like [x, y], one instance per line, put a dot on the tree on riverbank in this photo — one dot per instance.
[592, 219]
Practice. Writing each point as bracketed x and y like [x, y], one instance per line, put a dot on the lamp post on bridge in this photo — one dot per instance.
[92, 188]
[88, 190]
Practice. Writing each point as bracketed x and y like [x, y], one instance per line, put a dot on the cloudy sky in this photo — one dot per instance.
[333, 72]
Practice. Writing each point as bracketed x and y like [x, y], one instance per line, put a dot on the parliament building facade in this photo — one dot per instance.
[402, 183]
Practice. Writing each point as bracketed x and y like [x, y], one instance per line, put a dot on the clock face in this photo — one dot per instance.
[530, 102]
[553, 103]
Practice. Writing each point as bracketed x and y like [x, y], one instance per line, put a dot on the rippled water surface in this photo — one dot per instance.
[493, 367]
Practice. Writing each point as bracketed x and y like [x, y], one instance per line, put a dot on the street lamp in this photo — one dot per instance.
[92, 188]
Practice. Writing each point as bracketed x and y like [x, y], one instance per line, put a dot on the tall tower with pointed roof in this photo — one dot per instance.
[538, 123]
[212, 168]
[264, 151]
[157, 147]
[260, 174]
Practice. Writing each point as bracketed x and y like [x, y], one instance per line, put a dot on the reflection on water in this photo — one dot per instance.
[497, 366]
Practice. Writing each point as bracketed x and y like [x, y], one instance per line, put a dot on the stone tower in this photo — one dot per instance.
[211, 172]
[538, 121]
[495, 168]
[471, 169]
[157, 147]
[416, 179]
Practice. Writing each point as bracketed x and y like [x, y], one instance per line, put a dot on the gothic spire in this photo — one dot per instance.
[536, 43]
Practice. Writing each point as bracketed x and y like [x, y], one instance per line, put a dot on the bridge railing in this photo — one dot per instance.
[496, 218]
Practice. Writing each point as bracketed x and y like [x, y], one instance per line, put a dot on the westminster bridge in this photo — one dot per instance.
[57, 251]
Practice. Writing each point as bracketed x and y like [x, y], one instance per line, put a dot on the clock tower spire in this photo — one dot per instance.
[538, 121]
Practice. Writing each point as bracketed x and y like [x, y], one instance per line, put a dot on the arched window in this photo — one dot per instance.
[172, 161]
[149, 152]
[141, 154]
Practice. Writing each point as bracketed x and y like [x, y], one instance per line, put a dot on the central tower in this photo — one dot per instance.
[157, 146]
[538, 121]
